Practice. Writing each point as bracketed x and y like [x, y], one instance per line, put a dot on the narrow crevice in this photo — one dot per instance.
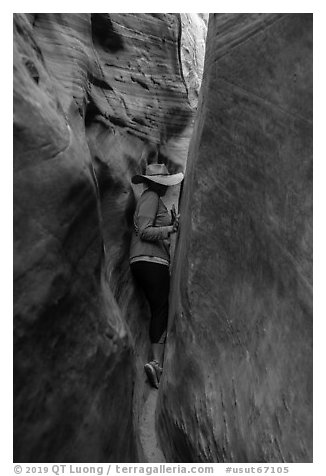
[149, 436]
[179, 53]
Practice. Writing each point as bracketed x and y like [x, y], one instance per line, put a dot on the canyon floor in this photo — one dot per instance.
[148, 437]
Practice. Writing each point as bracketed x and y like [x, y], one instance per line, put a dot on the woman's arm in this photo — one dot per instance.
[146, 219]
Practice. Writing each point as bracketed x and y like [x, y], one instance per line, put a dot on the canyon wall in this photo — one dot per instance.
[237, 384]
[96, 98]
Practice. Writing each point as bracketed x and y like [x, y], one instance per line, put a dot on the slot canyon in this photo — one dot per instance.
[226, 99]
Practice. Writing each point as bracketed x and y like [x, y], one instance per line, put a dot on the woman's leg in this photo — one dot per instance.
[158, 353]
[158, 349]
[154, 279]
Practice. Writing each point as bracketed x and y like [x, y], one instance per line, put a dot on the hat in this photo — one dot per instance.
[158, 173]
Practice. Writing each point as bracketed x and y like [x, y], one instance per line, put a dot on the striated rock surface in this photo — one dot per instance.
[237, 384]
[96, 97]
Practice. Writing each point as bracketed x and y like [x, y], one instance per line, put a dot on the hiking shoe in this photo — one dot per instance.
[153, 372]
[158, 369]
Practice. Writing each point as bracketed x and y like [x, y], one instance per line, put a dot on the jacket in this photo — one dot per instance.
[152, 227]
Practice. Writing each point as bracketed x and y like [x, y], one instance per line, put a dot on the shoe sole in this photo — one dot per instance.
[151, 375]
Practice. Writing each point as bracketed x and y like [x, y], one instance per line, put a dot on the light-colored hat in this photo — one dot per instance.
[158, 173]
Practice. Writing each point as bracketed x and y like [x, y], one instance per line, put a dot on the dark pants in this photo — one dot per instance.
[154, 279]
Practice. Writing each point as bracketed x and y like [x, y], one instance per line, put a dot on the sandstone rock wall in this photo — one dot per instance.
[96, 97]
[192, 52]
[237, 384]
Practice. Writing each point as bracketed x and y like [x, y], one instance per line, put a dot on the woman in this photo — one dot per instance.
[150, 256]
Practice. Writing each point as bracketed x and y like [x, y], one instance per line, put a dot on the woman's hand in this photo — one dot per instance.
[176, 223]
[175, 220]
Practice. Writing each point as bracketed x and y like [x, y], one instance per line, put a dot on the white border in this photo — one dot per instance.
[316, 7]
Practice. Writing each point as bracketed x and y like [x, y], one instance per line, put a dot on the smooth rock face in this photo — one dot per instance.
[96, 97]
[237, 383]
[193, 39]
